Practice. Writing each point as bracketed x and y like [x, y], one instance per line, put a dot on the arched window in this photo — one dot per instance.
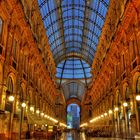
[15, 50]
[1, 27]
[8, 105]
[73, 116]
[119, 98]
[21, 93]
[138, 85]
[127, 94]
[10, 85]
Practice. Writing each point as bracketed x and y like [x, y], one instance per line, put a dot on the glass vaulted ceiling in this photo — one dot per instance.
[73, 68]
[73, 28]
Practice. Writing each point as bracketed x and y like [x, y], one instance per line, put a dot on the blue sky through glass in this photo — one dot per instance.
[73, 27]
[73, 68]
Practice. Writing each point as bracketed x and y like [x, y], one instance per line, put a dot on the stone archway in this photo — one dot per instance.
[127, 111]
[136, 103]
[73, 114]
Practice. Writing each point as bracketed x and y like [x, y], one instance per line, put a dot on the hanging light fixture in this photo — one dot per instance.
[110, 111]
[138, 97]
[37, 111]
[42, 114]
[105, 114]
[23, 104]
[11, 98]
[102, 116]
[125, 104]
[116, 109]
[32, 108]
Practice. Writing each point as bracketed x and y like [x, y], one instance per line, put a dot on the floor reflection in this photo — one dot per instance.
[81, 136]
[71, 136]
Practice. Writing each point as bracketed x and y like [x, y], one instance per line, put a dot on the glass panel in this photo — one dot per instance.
[73, 26]
[73, 68]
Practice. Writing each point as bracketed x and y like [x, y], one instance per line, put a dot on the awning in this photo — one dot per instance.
[35, 119]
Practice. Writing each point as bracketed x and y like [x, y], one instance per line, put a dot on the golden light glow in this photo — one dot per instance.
[42, 114]
[37, 111]
[31, 108]
[116, 109]
[84, 124]
[125, 104]
[48, 117]
[23, 104]
[105, 114]
[62, 124]
[102, 116]
[138, 97]
[52, 119]
[110, 111]
[91, 121]
[11, 98]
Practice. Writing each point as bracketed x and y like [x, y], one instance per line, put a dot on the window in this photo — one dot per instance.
[15, 50]
[123, 63]
[21, 93]
[132, 45]
[127, 94]
[1, 27]
[8, 105]
[134, 49]
[138, 85]
[25, 63]
[10, 85]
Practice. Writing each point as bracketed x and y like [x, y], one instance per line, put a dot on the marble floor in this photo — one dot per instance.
[81, 136]
[76, 136]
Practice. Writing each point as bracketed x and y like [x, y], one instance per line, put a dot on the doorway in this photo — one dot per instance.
[73, 116]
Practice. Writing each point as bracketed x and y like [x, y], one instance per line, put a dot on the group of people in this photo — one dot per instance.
[98, 133]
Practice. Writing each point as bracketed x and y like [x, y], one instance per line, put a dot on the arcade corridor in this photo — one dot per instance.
[69, 65]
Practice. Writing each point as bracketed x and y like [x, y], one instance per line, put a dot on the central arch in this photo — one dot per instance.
[73, 116]
[73, 101]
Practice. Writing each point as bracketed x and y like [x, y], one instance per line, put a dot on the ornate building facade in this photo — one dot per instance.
[27, 70]
[115, 88]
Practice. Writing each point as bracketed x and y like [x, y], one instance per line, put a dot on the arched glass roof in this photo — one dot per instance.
[73, 68]
[73, 26]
